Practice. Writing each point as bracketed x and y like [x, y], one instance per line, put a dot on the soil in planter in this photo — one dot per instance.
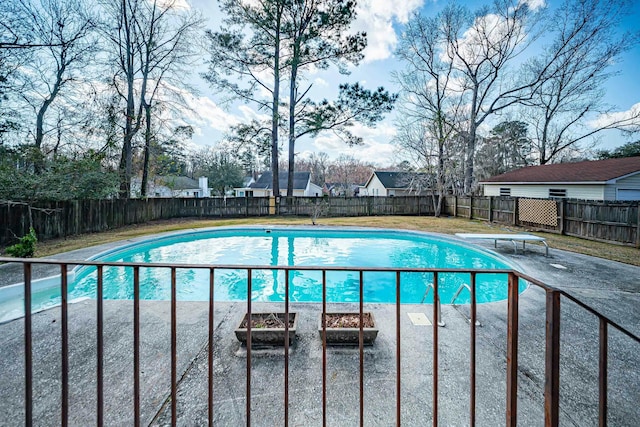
[268, 320]
[350, 320]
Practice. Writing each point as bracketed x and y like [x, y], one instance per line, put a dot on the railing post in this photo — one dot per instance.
[602, 377]
[210, 347]
[398, 354]
[174, 349]
[64, 338]
[436, 301]
[512, 352]
[28, 353]
[248, 383]
[136, 346]
[552, 360]
[472, 353]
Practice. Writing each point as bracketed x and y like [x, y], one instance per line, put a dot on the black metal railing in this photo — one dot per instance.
[552, 339]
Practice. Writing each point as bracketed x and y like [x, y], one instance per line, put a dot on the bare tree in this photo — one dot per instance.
[150, 52]
[482, 51]
[346, 172]
[166, 51]
[61, 40]
[121, 31]
[585, 46]
[431, 102]
[481, 48]
[14, 30]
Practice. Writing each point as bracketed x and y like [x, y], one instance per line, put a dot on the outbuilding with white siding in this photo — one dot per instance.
[610, 179]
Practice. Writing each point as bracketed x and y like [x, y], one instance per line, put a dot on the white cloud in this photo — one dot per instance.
[173, 4]
[376, 147]
[628, 120]
[376, 18]
[205, 112]
[483, 39]
[535, 5]
[249, 114]
[320, 82]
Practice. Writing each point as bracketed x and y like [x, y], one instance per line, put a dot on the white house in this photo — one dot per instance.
[263, 187]
[173, 186]
[396, 184]
[611, 179]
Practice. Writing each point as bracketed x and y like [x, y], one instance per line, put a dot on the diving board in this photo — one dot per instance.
[513, 238]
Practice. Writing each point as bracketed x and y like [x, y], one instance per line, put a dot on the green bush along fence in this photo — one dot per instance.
[617, 222]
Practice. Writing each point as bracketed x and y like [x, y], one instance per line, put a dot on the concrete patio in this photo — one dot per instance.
[609, 287]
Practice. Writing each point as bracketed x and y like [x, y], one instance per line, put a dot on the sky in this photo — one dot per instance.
[384, 20]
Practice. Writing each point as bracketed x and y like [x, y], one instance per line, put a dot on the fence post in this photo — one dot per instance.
[471, 206]
[563, 206]
[638, 228]
[272, 205]
[490, 208]
[455, 206]
[515, 211]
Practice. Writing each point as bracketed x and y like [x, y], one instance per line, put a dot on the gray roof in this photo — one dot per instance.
[400, 179]
[178, 182]
[300, 180]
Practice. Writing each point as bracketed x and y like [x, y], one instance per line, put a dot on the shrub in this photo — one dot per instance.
[26, 247]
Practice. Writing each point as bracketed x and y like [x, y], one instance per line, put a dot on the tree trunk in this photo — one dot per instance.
[275, 117]
[147, 151]
[125, 160]
[39, 161]
[292, 122]
[471, 143]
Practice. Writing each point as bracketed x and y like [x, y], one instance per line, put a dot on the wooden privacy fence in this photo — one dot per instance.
[60, 219]
[617, 222]
[608, 221]
[356, 206]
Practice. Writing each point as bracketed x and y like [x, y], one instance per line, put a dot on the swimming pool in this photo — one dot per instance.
[288, 246]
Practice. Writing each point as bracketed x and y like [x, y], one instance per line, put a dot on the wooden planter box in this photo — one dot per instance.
[349, 335]
[263, 334]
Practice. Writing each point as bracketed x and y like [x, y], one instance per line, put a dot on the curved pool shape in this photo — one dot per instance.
[292, 247]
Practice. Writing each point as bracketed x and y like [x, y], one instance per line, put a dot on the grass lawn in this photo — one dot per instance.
[625, 254]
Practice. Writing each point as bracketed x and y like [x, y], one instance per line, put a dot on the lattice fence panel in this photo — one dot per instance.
[538, 211]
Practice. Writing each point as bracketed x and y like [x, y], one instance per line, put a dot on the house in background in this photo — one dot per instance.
[386, 184]
[338, 189]
[263, 186]
[173, 186]
[611, 179]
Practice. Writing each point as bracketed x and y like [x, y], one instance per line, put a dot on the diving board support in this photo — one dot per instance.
[513, 238]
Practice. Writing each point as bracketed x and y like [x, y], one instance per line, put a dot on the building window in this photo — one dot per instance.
[557, 192]
[505, 192]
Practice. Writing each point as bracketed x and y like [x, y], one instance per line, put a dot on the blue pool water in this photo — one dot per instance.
[292, 247]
